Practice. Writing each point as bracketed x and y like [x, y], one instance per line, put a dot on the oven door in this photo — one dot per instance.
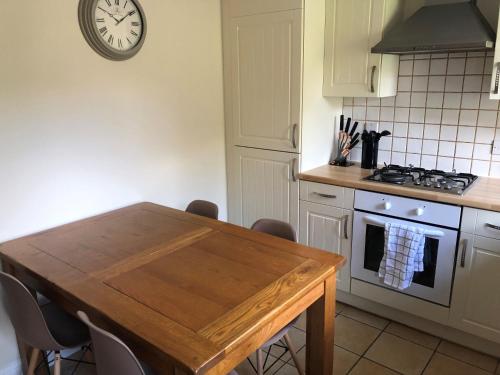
[433, 284]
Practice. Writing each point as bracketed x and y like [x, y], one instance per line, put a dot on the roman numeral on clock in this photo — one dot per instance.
[120, 44]
[126, 2]
[111, 39]
[117, 2]
[133, 33]
[103, 30]
[99, 20]
[132, 12]
[135, 23]
[108, 2]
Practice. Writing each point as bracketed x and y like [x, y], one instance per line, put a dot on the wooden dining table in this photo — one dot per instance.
[188, 294]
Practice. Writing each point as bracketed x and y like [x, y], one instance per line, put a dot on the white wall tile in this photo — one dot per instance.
[398, 158]
[431, 131]
[449, 133]
[404, 83]
[495, 169]
[438, 66]
[413, 159]
[385, 125]
[385, 144]
[384, 157]
[401, 114]
[482, 152]
[470, 100]
[462, 165]
[406, 68]
[474, 65]
[473, 83]
[468, 117]
[456, 67]
[436, 83]
[416, 130]
[388, 102]
[434, 100]
[487, 118]
[480, 167]
[445, 163]
[485, 135]
[359, 113]
[454, 84]
[400, 129]
[403, 99]
[450, 116]
[428, 162]
[414, 146]
[464, 150]
[446, 148]
[373, 102]
[387, 114]
[421, 67]
[430, 147]
[373, 113]
[360, 101]
[399, 144]
[486, 83]
[417, 115]
[452, 100]
[433, 116]
[420, 83]
[486, 103]
[418, 99]
[466, 134]
[488, 65]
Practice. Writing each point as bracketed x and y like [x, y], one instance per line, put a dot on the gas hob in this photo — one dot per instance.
[424, 179]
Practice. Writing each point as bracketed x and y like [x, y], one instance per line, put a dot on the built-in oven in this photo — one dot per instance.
[440, 222]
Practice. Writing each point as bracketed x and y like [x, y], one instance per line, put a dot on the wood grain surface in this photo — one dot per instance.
[483, 194]
[188, 294]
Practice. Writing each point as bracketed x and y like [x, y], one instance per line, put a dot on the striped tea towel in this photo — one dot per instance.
[403, 255]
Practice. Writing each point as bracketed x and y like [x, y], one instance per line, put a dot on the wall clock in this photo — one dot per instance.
[116, 29]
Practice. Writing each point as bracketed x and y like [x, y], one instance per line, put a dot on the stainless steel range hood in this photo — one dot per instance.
[440, 28]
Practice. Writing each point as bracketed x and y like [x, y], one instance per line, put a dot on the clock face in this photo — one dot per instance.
[115, 29]
[119, 23]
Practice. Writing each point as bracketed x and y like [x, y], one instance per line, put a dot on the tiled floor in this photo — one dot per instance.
[369, 345]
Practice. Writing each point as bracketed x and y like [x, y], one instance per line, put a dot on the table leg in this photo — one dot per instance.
[320, 332]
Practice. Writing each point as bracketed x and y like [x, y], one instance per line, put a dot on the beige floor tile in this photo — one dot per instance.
[353, 335]
[339, 306]
[467, 355]
[343, 360]
[398, 354]
[299, 340]
[366, 367]
[365, 317]
[244, 368]
[443, 365]
[410, 334]
[283, 370]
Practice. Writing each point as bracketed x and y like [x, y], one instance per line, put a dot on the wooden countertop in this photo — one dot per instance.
[483, 194]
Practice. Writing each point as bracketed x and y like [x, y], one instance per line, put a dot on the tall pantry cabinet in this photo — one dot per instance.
[277, 121]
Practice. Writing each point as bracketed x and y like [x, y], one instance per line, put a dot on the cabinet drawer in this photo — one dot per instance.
[330, 195]
[488, 224]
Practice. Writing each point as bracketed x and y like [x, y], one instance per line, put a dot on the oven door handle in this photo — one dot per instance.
[428, 233]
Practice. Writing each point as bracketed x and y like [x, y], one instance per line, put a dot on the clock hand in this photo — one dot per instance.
[128, 14]
[111, 15]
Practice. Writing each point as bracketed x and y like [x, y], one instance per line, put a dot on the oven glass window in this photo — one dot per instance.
[374, 252]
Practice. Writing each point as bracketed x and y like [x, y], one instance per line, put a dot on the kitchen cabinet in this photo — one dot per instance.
[265, 60]
[495, 78]
[264, 186]
[328, 228]
[475, 304]
[352, 28]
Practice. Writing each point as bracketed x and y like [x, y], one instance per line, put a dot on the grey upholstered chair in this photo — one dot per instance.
[284, 230]
[203, 208]
[112, 355]
[45, 328]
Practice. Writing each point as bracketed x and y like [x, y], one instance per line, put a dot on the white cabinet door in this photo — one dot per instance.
[328, 228]
[495, 78]
[475, 306]
[353, 27]
[263, 184]
[266, 65]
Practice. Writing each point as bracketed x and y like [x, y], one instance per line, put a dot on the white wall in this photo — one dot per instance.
[80, 134]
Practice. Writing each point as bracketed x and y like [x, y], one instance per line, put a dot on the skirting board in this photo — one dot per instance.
[432, 328]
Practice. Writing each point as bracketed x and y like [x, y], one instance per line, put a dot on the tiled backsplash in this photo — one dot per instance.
[441, 117]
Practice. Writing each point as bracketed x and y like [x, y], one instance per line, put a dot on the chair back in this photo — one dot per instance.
[25, 315]
[203, 208]
[275, 228]
[112, 356]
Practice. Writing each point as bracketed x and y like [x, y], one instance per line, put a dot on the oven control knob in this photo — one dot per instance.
[419, 211]
[387, 206]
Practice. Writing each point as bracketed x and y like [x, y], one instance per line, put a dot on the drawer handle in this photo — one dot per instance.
[497, 79]
[464, 252]
[328, 196]
[294, 164]
[294, 136]
[345, 219]
[491, 226]
[372, 83]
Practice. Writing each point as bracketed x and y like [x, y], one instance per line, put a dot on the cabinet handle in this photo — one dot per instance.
[294, 163]
[497, 79]
[372, 80]
[464, 252]
[323, 195]
[294, 136]
[491, 226]
[345, 219]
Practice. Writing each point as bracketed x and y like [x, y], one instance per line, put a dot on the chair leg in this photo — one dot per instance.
[33, 361]
[57, 363]
[260, 362]
[293, 353]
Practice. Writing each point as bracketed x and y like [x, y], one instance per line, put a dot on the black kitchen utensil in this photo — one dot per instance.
[341, 123]
[353, 130]
[369, 156]
[348, 125]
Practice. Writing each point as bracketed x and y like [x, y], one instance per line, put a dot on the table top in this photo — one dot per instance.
[190, 289]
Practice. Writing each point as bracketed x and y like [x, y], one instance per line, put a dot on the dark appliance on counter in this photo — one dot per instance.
[369, 156]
